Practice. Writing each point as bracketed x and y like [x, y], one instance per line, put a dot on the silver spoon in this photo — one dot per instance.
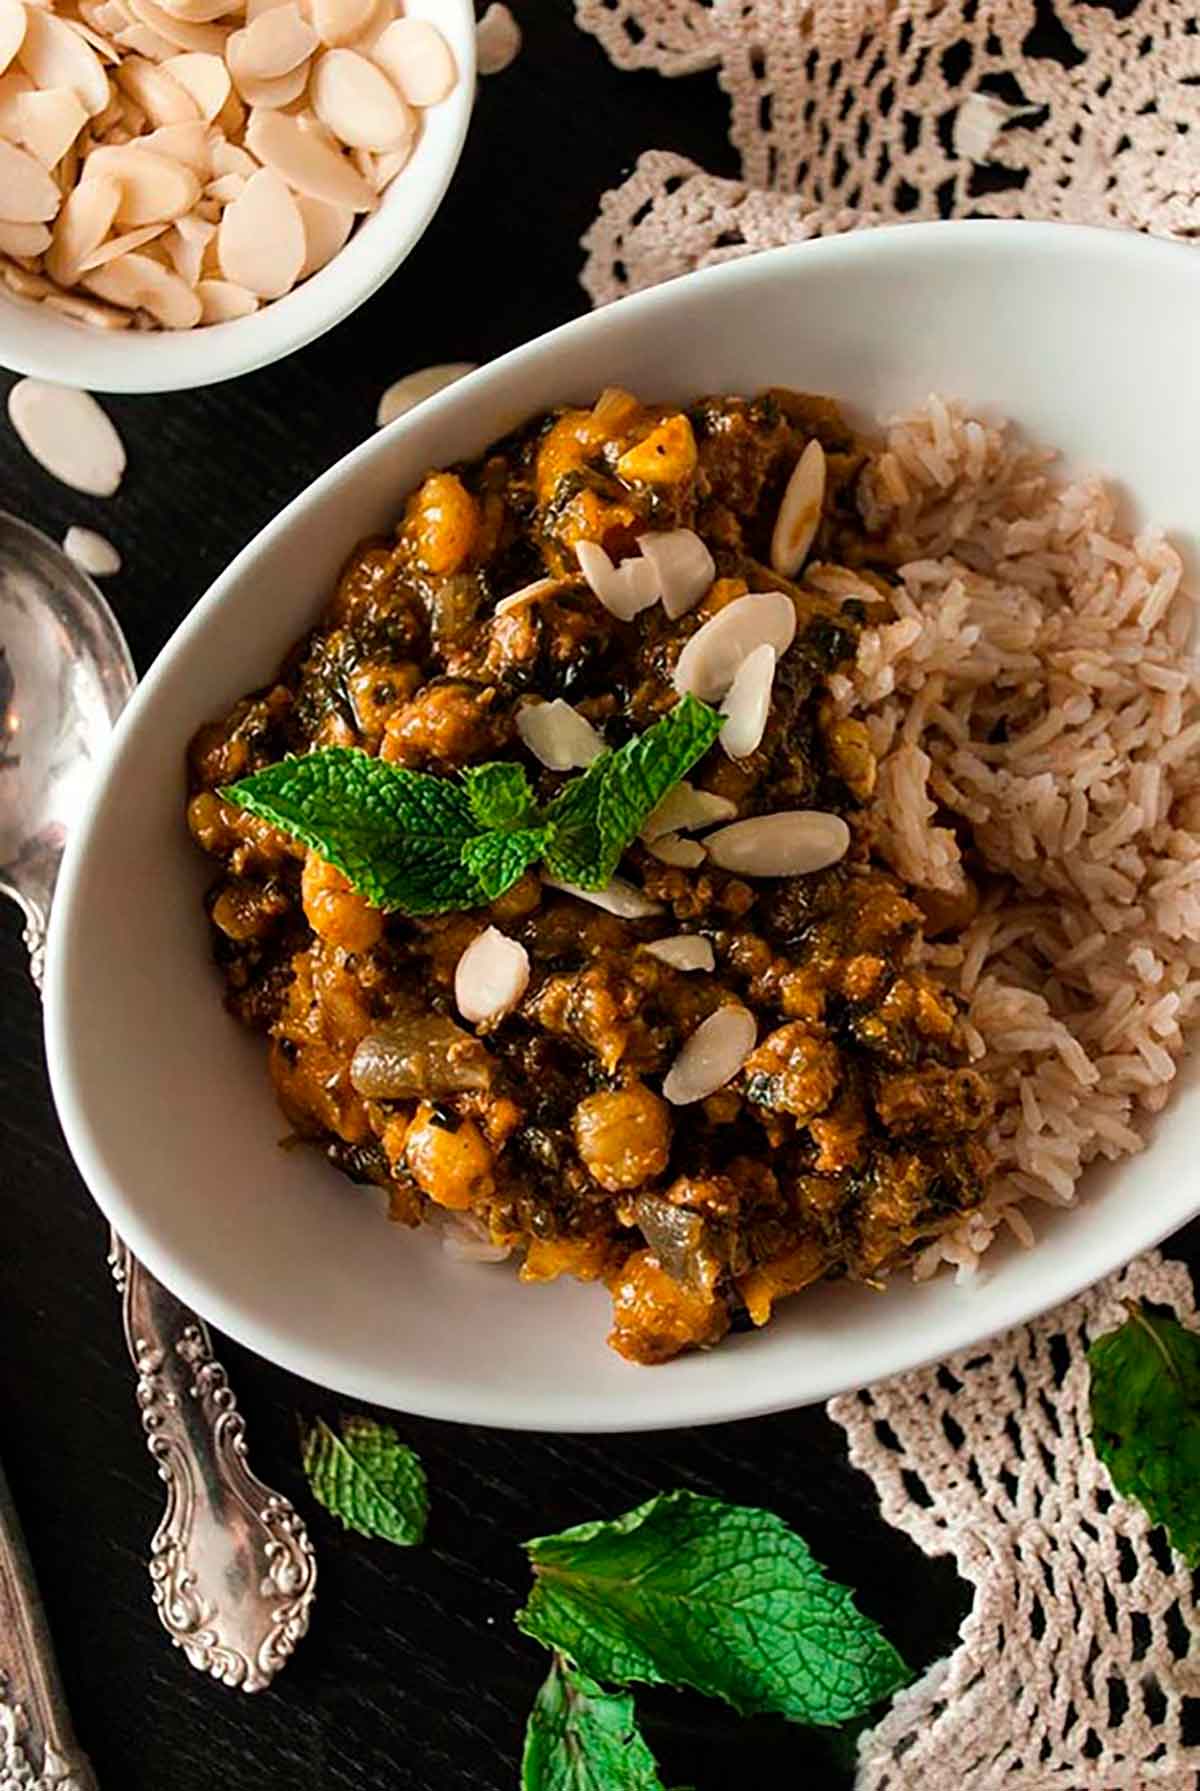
[231, 1565]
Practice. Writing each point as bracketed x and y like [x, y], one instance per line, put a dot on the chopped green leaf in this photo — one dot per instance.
[687, 1590]
[499, 795]
[582, 1738]
[598, 815]
[368, 1479]
[496, 860]
[397, 834]
[1145, 1401]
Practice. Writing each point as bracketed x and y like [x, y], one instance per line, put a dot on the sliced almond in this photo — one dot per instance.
[24, 282]
[711, 1057]
[143, 283]
[68, 434]
[558, 736]
[684, 566]
[12, 30]
[624, 590]
[28, 195]
[793, 843]
[748, 703]
[116, 246]
[277, 42]
[153, 188]
[261, 243]
[490, 978]
[12, 86]
[159, 95]
[204, 76]
[279, 90]
[50, 123]
[103, 46]
[497, 40]
[355, 100]
[193, 40]
[683, 951]
[617, 897]
[800, 512]
[87, 215]
[226, 188]
[527, 594]
[368, 34]
[404, 395]
[186, 242]
[384, 168]
[338, 21]
[92, 311]
[53, 55]
[108, 16]
[232, 117]
[326, 228]
[95, 553]
[305, 162]
[186, 143]
[24, 239]
[685, 810]
[198, 12]
[416, 58]
[254, 9]
[142, 40]
[230, 158]
[221, 301]
[674, 849]
[710, 659]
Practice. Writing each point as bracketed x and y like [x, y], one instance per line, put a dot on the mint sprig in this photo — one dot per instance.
[421, 844]
[687, 1590]
[583, 1738]
[368, 1479]
[1145, 1409]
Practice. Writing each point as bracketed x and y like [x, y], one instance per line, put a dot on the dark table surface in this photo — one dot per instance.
[413, 1676]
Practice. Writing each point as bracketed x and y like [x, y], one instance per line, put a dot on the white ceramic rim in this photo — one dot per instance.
[1100, 1250]
[44, 345]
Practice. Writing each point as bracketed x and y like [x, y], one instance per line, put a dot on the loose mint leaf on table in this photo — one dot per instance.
[499, 795]
[496, 860]
[583, 1738]
[1145, 1407]
[598, 815]
[687, 1590]
[397, 834]
[368, 1479]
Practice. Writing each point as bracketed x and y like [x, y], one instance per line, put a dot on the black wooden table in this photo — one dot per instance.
[413, 1677]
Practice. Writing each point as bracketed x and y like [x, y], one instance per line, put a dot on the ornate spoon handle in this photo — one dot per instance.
[232, 1568]
[38, 1749]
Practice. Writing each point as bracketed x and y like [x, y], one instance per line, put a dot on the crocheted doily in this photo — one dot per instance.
[1076, 1668]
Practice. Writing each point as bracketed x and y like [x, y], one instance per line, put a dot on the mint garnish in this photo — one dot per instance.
[687, 1590]
[426, 845]
[583, 1738]
[368, 1479]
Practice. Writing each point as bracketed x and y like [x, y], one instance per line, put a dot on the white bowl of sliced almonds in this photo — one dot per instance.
[190, 190]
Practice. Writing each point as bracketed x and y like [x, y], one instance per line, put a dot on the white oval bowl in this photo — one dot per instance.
[1088, 339]
[42, 343]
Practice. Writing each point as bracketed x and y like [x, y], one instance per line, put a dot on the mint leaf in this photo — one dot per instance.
[687, 1590]
[1145, 1401]
[582, 1738]
[602, 812]
[397, 834]
[368, 1479]
[499, 795]
[496, 860]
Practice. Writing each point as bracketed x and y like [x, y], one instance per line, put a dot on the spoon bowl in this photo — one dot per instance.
[65, 674]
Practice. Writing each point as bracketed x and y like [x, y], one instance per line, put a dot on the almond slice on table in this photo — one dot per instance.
[50, 122]
[186, 143]
[221, 301]
[624, 590]
[418, 61]
[12, 30]
[301, 159]
[326, 228]
[684, 809]
[711, 1057]
[497, 40]
[276, 42]
[558, 736]
[261, 241]
[204, 76]
[674, 849]
[799, 513]
[355, 100]
[404, 395]
[28, 194]
[88, 213]
[684, 566]
[491, 976]
[710, 659]
[53, 55]
[141, 283]
[24, 239]
[792, 843]
[336, 22]
[95, 553]
[116, 246]
[193, 40]
[617, 897]
[154, 189]
[68, 434]
[683, 951]
[257, 90]
[748, 703]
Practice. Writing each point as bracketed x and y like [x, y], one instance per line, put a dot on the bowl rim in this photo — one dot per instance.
[72, 353]
[1100, 1251]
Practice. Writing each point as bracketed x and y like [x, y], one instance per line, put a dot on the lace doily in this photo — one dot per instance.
[1076, 1669]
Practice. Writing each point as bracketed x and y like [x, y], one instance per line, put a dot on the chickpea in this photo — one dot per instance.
[335, 910]
[624, 1137]
[449, 1162]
